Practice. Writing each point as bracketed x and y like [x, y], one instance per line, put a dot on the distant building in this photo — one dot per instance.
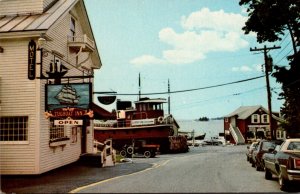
[35, 137]
[249, 123]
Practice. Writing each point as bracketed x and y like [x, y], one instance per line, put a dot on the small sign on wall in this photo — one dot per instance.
[68, 122]
[31, 60]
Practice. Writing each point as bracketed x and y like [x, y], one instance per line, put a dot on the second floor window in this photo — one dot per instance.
[72, 29]
[265, 118]
[255, 118]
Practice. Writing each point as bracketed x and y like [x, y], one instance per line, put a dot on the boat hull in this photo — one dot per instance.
[158, 134]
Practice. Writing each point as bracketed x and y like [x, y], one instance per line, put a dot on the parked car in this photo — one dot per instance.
[284, 162]
[250, 150]
[263, 147]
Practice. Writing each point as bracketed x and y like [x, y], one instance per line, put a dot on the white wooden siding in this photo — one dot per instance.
[21, 96]
[52, 158]
[17, 99]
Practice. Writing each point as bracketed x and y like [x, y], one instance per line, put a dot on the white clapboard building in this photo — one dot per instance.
[45, 43]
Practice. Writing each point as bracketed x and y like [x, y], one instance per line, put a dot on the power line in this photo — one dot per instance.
[219, 97]
[187, 90]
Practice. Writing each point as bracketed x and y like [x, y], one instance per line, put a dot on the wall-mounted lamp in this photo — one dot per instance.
[1, 49]
[41, 42]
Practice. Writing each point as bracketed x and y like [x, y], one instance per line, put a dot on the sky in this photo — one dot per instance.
[192, 43]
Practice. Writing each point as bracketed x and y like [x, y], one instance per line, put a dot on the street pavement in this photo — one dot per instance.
[66, 178]
[202, 170]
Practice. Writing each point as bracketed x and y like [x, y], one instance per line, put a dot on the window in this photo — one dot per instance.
[14, 128]
[255, 118]
[57, 132]
[265, 118]
[72, 29]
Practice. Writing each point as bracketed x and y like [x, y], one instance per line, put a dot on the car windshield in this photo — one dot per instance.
[294, 146]
[253, 145]
[267, 145]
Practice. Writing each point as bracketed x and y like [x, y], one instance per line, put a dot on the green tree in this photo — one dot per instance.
[270, 20]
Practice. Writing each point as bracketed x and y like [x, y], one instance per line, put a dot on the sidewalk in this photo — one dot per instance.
[66, 178]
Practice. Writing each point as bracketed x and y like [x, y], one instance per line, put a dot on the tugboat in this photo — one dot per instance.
[144, 122]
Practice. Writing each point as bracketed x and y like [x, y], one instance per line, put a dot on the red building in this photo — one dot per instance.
[248, 123]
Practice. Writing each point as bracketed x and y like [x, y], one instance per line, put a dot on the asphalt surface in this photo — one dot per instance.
[66, 178]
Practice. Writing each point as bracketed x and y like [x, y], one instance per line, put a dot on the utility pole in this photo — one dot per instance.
[268, 68]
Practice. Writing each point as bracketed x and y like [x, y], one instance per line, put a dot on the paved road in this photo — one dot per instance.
[203, 169]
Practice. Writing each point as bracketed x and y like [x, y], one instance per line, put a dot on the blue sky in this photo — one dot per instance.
[193, 43]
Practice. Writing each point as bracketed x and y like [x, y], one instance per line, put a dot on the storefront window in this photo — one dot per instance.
[57, 132]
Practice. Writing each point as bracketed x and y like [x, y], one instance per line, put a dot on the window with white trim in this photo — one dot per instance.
[255, 118]
[72, 28]
[14, 128]
[265, 118]
[57, 132]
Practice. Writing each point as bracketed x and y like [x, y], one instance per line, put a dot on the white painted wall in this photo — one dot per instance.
[20, 96]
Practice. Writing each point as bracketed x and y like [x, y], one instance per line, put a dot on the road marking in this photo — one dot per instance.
[155, 165]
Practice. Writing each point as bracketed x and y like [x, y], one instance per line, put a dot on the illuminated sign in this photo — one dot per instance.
[31, 60]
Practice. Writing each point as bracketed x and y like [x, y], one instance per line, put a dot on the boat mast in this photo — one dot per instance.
[169, 99]
[139, 86]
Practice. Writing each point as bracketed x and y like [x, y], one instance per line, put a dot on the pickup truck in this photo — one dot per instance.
[284, 162]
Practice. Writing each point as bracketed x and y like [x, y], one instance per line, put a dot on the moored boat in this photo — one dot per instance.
[144, 122]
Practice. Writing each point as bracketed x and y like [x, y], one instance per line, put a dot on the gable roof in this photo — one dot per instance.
[243, 112]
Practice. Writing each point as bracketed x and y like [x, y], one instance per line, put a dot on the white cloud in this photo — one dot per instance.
[205, 31]
[246, 68]
[213, 20]
[243, 68]
[146, 59]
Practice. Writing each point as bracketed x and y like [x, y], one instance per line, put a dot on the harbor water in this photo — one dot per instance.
[212, 128]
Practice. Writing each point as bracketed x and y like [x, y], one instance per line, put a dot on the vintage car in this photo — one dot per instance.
[250, 150]
[140, 147]
[263, 147]
[284, 162]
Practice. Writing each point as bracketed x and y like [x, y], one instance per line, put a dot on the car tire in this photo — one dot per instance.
[123, 153]
[282, 181]
[257, 167]
[130, 150]
[268, 174]
[147, 154]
